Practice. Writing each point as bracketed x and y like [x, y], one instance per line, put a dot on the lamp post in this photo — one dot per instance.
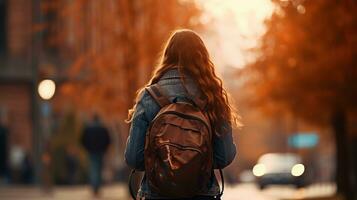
[46, 90]
[36, 46]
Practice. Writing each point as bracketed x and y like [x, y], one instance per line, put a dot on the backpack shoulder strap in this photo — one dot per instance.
[222, 182]
[200, 102]
[131, 190]
[156, 92]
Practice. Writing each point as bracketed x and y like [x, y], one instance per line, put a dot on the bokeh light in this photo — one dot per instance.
[46, 89]
[298, 170]
[259, 170]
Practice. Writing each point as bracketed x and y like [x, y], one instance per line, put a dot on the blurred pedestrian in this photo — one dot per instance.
[17, 158]
[72, 164]
[3, 153]
[181, 125]
[28, 169]
[96, 140]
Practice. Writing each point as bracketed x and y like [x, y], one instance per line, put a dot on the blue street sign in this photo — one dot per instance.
[303, 140]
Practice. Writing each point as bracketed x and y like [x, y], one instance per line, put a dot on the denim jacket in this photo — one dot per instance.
[224, 149]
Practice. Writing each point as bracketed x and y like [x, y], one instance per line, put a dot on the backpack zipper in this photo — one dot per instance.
[180, 146]
[186, 117]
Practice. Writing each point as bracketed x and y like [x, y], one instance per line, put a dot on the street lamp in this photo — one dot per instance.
[46, 89]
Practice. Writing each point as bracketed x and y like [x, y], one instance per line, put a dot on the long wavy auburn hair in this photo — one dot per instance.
[186, 51]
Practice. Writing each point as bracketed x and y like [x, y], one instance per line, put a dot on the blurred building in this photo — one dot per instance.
[26, 57]
[16, 71]
[22, 64]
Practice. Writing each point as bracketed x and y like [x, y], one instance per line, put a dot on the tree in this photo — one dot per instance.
[307, 65]
[105, 50]
[111, 47]
[108, 49]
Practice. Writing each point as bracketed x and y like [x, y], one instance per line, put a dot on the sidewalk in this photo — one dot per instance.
[109, 192]
[120, 192]
[323, 198]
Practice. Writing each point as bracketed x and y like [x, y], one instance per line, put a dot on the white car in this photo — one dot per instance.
[279, 168]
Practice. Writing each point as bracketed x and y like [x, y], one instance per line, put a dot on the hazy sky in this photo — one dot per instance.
[236, 26]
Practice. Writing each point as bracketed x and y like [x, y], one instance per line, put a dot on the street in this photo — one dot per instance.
[119, 191]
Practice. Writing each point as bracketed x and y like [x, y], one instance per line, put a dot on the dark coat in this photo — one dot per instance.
[95, 138]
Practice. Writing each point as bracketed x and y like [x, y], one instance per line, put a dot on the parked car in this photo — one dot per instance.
[279, 168]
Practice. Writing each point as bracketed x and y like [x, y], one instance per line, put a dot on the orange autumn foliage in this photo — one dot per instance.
[111, 47]
[307, 62]
[308, 67]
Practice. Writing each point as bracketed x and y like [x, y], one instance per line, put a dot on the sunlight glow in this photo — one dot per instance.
[234, 28]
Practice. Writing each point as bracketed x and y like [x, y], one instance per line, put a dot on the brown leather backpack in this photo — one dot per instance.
[178, 147]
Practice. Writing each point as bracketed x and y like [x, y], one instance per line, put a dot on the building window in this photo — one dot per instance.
[3, 32]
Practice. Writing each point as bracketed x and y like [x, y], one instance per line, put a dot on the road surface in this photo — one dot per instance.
[119, 192]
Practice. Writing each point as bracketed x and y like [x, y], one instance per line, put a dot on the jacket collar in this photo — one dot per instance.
[171, 74]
